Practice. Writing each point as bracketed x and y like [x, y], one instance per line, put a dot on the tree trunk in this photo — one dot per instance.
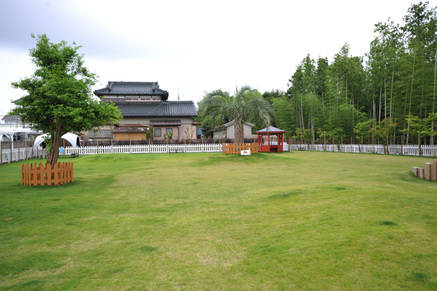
[238, 132]
[54, 151]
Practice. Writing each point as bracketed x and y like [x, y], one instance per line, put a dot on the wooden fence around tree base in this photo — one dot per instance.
[429, 172]
[236, 148]
[34, 175]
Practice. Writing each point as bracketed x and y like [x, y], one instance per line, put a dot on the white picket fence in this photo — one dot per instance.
[408, 150]
[145, 149]
[8, 156]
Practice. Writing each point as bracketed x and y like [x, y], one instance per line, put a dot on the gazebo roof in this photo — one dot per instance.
[271, 129]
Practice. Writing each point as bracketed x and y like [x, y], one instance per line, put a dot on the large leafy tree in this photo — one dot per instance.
[244, 105]
[59, 97]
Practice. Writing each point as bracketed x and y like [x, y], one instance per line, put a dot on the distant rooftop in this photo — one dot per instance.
[132, 88]
[13, 119]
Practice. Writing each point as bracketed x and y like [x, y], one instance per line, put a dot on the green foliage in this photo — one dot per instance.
[399, 79]
[273, 95]
[383, 129]
[285, 110]
[59, 97]
[422, 127]
[245, 104]
[362, 129]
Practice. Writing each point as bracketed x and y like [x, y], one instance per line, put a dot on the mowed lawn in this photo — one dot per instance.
[300, 220]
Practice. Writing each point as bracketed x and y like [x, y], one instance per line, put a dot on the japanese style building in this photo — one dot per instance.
[145, 106]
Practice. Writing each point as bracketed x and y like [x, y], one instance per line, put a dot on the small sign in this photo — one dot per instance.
[245, 153]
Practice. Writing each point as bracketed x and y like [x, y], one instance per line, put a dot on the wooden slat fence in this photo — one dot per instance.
[235, 149]
[34, 175]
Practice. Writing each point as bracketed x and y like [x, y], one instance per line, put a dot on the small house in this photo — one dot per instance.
[227, 130]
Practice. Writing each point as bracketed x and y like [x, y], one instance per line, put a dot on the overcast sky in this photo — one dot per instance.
[189, 46]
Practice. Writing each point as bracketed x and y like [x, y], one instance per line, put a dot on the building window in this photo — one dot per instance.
[157, 132]
[132, 98]
[168, 130]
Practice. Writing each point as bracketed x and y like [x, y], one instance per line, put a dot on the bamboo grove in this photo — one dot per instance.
[386, 96]
[390, 93]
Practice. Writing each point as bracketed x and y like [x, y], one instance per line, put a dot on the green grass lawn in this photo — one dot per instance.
[300, 220]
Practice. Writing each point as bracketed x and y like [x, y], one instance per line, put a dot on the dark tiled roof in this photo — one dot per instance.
[158, 109]
[132, 88]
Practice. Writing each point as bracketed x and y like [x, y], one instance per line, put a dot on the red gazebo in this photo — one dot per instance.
[271, 139]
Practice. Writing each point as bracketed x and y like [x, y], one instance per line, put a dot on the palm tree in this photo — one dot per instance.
[245, 103]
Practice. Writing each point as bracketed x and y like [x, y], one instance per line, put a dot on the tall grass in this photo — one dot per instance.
[301, 220]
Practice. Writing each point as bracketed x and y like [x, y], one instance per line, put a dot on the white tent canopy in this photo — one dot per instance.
[70, 137]
[10, 132]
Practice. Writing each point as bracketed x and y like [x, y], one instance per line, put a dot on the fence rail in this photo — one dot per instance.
[396, 149]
